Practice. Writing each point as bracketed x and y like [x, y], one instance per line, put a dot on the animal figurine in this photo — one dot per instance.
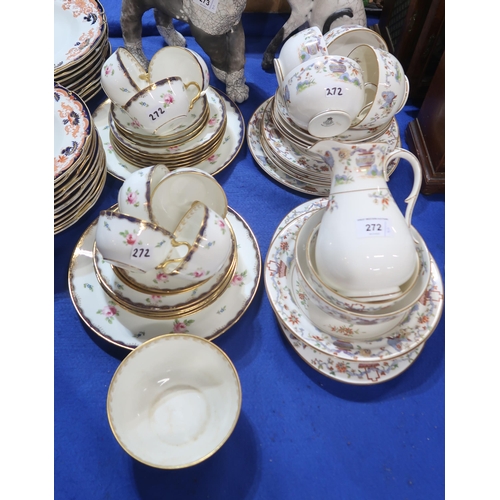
[215, 25]
[325, 14]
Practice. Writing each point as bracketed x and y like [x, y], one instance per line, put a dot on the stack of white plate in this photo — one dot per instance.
[81, 45]
[79, 159]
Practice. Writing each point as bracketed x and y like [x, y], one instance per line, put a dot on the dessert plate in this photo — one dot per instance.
[220, 159]
[351, 372]
[413, 332]
[125, 329]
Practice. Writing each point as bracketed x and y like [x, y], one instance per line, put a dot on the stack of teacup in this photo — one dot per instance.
[166, 249]
[343, 85]
[168, 114]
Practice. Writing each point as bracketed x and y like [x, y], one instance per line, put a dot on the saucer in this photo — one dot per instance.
[351, 372]
[125, 329]
[260, 157]
[220, 159]
[413, 332]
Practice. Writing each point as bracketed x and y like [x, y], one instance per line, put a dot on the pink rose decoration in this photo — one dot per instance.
[162, 277]
[168, 99]
[131, 198]
[212, 122]
[109, 311]
[180, 327]
[221, 223]
[155, 298]
[131, 239]
[212, 158]
[107, 70]
[198, 274]
[237, 280]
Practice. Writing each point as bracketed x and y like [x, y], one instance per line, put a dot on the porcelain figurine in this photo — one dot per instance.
[325, 14]
[215, 25]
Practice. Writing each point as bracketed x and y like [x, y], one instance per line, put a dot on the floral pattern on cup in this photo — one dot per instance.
[109, 311]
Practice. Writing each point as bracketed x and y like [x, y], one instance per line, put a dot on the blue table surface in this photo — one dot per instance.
[300, 435]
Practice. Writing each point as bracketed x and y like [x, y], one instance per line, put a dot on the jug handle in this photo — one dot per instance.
[417, 178]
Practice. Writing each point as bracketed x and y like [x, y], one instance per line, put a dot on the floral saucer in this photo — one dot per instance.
[414, 331]
[125, 329]
[351, 372]
[220, 159]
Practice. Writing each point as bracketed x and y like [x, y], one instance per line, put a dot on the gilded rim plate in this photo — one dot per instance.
[122, 328]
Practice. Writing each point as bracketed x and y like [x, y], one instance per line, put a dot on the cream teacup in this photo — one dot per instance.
[122, 76]
[179, 61]
[210, 244]
[135, 244]
[341, 40]
[175, 193]
[390, 86]
[158, 107]
[325, 95]
[299, 49]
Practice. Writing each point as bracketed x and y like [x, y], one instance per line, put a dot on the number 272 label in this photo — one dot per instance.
[370, 227]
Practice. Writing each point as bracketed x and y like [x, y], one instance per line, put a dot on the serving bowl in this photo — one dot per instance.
[174, 401]
[370, 320]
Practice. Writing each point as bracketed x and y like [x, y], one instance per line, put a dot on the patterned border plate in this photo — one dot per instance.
[77, 28]
[125, 329]
[223, 156]
[72, 128]
[351, 372]
[415, 330]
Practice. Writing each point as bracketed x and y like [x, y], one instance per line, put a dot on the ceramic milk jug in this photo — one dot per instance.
[364, 246]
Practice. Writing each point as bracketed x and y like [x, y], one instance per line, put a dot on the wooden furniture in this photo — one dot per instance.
[426, 134]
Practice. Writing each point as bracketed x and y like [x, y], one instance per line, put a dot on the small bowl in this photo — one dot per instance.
[174, 401]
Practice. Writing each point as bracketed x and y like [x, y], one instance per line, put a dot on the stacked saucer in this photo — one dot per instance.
[191, 142]
[79, 161]
[345, 346]
[81, 45]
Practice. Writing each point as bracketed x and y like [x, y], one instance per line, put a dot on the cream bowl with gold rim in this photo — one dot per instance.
[341, 40]
[174, 401]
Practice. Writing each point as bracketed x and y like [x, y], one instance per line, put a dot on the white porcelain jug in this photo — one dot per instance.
[364, 246]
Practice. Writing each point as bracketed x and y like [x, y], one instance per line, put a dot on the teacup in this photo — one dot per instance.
[158, 107]
[179, 61]
[342, 40]
[298, 49]
[325, 95]
[178, 190]
[122, 76]
[135, 244]
[390, 86]
[210, 244]
[134, 196]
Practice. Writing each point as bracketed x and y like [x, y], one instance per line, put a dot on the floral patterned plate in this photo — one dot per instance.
[78, 26]
[72, 130]
[220, 159]
[351, 372]
[414, 331]
[125, 329]
[265, 163]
